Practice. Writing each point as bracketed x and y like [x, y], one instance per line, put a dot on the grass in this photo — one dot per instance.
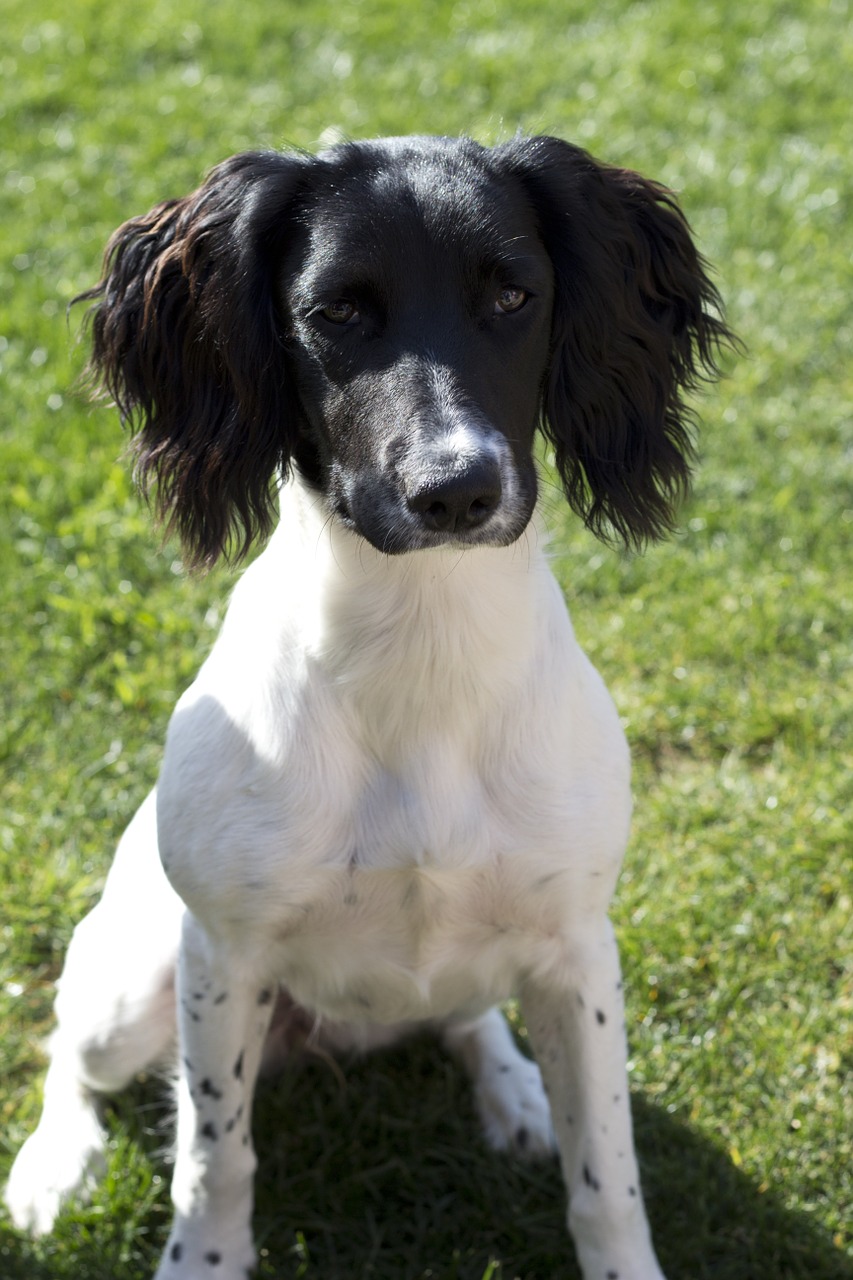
[728, 649]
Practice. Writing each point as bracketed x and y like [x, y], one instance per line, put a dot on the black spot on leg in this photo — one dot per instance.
[570, 1119]
[504, 1068]
[590, 1179]
[176, 1252]
[198, 995]
[213, 1258]
[264, 996]
[601, 1017]
[209, 1090]
[521, 1138]
[220, 999]
[617, 1097]
[209, 1131]
[581, 1001]
[613, 1275]
[632, 1191]
[238, 1067]
[190, 1011]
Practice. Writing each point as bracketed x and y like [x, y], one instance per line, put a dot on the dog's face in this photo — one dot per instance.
[416, 296]
[394, 319]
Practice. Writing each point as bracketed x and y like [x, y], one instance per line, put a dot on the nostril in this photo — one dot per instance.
[435, 514]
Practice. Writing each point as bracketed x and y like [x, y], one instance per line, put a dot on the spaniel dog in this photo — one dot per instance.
[397, 792]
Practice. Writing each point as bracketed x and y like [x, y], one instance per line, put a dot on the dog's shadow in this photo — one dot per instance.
[375, 1170]
[387, 1178]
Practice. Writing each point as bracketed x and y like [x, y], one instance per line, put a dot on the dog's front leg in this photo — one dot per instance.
[224, 1010]
[575, 1019]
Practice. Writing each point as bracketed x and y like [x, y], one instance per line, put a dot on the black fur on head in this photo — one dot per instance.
[193, 339]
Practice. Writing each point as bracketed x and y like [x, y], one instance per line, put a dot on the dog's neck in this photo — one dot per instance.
[412, 642]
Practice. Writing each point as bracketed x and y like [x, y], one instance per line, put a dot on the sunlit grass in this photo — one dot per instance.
[728, 650]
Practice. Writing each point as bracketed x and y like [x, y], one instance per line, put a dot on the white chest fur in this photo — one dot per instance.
[394, 773]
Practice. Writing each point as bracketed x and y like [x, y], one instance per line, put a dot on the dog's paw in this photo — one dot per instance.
[513, 1106]
[54, 1164]
[627, 1254]
[195, 1250]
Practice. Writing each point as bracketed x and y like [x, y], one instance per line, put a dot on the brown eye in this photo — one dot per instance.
[510, 299]
[340, 312]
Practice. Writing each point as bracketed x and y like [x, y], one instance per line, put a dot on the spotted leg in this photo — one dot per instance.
[575, 1019]
[224, 1010]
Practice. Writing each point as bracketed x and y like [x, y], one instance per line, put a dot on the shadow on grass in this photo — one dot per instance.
[380, 1175]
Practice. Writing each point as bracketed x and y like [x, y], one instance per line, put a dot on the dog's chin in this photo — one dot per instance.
[398, 533]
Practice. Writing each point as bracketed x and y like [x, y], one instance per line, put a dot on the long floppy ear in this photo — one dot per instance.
[636, 323]
[187, 342]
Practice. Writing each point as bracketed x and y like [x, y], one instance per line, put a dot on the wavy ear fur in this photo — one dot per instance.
[186, 340]
[636, 323]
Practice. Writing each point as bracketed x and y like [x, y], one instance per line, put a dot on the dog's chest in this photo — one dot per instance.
[433, 905]
[401, 799]
[391, 945]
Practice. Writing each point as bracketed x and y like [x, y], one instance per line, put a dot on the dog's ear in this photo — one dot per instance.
[636, 323]
[187, 341]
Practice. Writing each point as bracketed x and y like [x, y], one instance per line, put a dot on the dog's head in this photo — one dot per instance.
[395, 319]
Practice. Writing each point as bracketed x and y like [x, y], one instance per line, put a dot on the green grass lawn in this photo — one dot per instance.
[728, 649]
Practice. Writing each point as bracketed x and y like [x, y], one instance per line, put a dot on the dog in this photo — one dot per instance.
[397, 792]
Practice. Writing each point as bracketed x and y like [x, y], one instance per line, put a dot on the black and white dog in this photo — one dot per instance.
[397, 791]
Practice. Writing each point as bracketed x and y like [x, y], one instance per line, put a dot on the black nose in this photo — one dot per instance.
[459, 500]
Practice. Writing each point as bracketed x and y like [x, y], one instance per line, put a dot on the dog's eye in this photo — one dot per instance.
[510, 299]
[340, 312]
